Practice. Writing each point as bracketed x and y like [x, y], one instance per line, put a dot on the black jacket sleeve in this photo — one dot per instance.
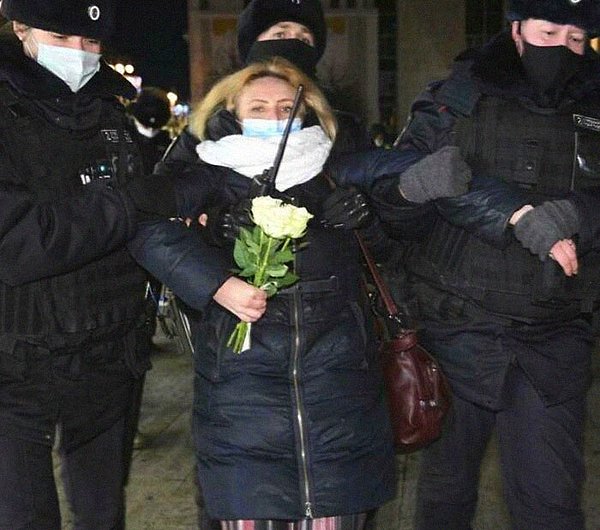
[485, 210]
[179, 257]
[41, 239]
[588, 208]
[180, 154]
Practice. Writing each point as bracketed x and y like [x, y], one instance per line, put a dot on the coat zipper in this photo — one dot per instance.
[308, 510]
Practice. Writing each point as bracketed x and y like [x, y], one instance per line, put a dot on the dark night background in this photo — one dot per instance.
[151, 36]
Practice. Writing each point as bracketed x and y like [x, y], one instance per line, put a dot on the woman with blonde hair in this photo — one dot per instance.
[293, 432]
[226, 92]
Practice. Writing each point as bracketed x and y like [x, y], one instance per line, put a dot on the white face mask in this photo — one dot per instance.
[74, 67]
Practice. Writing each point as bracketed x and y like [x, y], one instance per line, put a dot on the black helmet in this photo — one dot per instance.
[584, 14]
[151, 108]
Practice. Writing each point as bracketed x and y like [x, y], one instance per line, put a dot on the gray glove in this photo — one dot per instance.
[440, 174]
[539, 229]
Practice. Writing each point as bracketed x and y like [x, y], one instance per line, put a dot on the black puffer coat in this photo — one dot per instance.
[297, 425]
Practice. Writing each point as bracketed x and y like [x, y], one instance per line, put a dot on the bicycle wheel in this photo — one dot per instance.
[183, 333]
[173, 321]
[164, 313]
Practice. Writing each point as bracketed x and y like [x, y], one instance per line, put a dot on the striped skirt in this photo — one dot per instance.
[342, 522]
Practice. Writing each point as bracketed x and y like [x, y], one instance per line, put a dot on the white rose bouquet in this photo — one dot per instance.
[262, 253]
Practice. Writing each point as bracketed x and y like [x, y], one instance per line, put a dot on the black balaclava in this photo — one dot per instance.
[303, 55]
[260, 15]
[549, 68]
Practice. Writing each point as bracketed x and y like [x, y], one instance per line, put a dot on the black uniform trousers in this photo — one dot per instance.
[85, 397]
[92, 475]
[541, 459]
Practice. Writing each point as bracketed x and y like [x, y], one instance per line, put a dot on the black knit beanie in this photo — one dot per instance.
[260, 15]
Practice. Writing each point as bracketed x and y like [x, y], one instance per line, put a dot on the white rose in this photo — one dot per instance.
[279, 220]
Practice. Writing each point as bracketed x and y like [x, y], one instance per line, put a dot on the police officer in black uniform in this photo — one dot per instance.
[509, 277]
[71, 195]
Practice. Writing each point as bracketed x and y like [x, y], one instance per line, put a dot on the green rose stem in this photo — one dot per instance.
[264, 260]
[236, 340]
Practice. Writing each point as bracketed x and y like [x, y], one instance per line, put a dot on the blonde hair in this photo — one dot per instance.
[225, 93]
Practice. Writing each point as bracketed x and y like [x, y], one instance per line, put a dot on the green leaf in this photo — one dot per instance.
[256, 232]
[276, 271]
[284, 256]
[270, 288]
[241, 255]
[289, 279]
[245, 235]
[248, 271]
[253, 248]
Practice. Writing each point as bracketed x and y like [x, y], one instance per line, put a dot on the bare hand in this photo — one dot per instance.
[245, 301]
[564, 253]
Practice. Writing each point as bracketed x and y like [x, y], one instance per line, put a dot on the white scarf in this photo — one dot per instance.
[304, 157]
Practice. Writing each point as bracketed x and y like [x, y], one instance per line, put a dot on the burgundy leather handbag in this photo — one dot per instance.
[417, 392]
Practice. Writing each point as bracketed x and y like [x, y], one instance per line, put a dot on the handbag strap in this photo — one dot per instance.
[383, 289]
[390, 306]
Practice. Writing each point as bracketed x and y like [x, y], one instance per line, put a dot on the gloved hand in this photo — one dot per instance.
[152, 195]
[345, 208]
[440, 174]
[260, 185]
[540, 228]
[224, 223]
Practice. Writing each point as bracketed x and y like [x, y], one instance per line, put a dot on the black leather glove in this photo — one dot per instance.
[440, 174]
[345, 208]
[152, 195]
[261, 185]
[539, 229]
[224, 223]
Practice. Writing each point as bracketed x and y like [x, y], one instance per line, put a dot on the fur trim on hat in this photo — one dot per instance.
[260, 15]
[87, 18]
[584, 14]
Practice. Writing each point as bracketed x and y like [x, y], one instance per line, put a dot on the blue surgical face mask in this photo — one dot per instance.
[259, 128]
[74, 67]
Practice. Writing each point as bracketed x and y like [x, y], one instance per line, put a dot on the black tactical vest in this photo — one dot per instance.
[548, 155]
[103, 298]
